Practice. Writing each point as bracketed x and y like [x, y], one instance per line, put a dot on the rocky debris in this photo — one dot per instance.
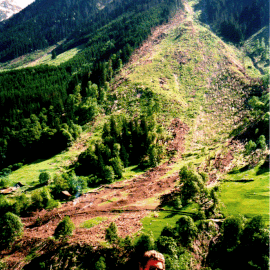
[124, 203]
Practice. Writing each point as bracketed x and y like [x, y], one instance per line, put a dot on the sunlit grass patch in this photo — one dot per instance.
[132, 171]
[156, 221]
[61, 58]
[247, 198]
[92, 222]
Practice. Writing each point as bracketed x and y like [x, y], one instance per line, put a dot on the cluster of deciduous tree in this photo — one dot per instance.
[192, 189]
[241, 244]
[124, 142]
[235, 20]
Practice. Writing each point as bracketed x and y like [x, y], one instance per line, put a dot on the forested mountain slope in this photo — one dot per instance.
[133, 138]
[44, 23]
[39, 100]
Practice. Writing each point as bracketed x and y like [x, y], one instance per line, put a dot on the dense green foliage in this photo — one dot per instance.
[44, 178]
[235, 20]
[246, 244]
[64, 228]
[138, 141]
[11, 229]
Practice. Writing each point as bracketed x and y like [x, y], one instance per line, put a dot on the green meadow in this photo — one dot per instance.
[247, 198]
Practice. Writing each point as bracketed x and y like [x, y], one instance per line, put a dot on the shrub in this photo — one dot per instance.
[250, 146]
[60, 184]
[17, 166]
[5, 205]
[171, 263]
[100, 264]
[22, 204]
[108, 174]
[232, 229]
[169, 231]
[167, 245]
[44, 178]
[64, 228]
[192, 186]
[4, 182]
[187, 230]
[177, 203]
[11, 228]
[262, 142]
[43, 199]
[111, 233]
[6, 171]
[117, 166]
[93, 180]
[200, 214]
[144, 243]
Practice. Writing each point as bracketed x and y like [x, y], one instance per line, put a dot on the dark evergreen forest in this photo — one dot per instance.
[44, 23]
[235, 20]
[43, 108]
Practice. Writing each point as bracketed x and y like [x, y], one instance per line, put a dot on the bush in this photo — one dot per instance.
[250, 146]
[22, 204]
[64, 228]
[177, 203]
[144, 243]
[100, 264]
[232, 229]
[193, 184]
[4, 182]
[111, 233]
[167, 245]
[262, 142]
[11, 228]
[44, 178]
[200, 215]
[43, 199]
[60, 184]
[169, 231]
[108, 174]
[187, 230]
[5, 205]
[17, 166]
